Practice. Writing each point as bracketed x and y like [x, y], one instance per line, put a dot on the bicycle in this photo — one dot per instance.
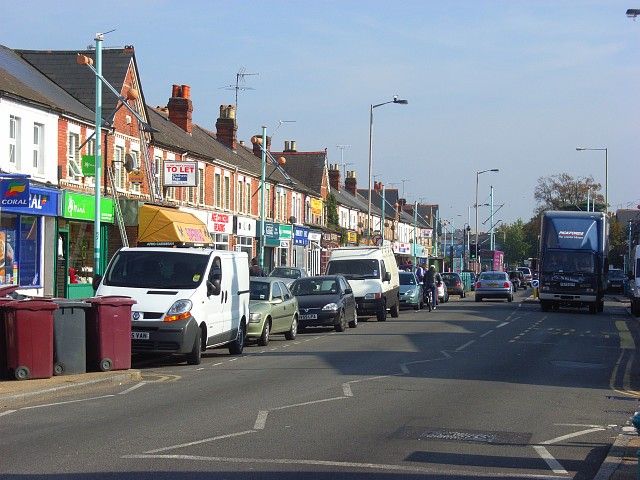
[427, 299]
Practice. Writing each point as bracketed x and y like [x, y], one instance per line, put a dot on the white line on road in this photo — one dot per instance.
[261, 420]
[216, 364]
[131, 389]
[404, 368]
[462, 347]
[2, 414]
[581, 425]
[312, 402]
[368, 379]
[329, 463]
[67, 402]
[502, 324]
[233, 359]
[346, 390]
[572, 435]
[486, 333]
[198, 442]
[554, 465]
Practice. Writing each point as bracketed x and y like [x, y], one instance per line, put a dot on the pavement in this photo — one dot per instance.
[622, 460]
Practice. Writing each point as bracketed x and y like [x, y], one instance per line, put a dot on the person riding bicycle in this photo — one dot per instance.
[430, 282]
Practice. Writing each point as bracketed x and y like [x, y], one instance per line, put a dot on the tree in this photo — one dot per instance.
[515, 244]
[333, 220]
[564, 192]
[617, 242]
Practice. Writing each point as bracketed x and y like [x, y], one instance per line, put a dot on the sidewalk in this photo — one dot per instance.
[622, 461]
[23, 389]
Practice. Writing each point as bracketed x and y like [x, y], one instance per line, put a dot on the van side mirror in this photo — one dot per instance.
[348, 291]
[387, 277]
[95, 283]
[213, 288]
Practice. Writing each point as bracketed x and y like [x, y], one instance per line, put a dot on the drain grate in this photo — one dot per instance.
[461, 435]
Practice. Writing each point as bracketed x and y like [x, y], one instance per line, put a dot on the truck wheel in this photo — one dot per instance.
[194, 357]
[395, 311]
[593, 308]
[545, 306]
[236, 347]
[382, 313]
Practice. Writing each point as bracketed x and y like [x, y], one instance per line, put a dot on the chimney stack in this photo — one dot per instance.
[334, 177]
[180, 107]
[226, 126]
[350, 183]
[257, 151]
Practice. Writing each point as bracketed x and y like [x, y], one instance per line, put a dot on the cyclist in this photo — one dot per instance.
[431, 279]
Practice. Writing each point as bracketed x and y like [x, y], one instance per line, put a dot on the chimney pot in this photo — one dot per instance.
[226, 127]
[293, 146]
[180, 107]
[286, 145]
[186, 92]
[175, 91]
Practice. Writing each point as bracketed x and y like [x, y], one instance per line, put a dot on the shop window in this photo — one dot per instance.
[74, 170]
[14, 140]
[80, 252]
[245, 244]
[38, 147]
[20, 250]
[220, 241]
[8, 249]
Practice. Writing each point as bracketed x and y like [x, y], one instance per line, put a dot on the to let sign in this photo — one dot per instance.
[180, 174]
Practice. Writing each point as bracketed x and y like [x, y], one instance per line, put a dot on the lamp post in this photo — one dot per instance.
[606, 174]
[478, 173]
[395, 100]
[263, 180]
[98, 151]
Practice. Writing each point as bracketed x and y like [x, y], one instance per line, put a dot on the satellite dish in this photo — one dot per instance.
[129, 163]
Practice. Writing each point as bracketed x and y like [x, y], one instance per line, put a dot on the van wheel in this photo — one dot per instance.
[293, 331]
[382, 313]
[195, 356]
[263, 341]
[510, 298]
[236, 347]
[395, 311]
[354, 323]
[545, 306]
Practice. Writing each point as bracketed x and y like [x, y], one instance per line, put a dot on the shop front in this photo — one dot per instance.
[168, 227]
[314, 252]
[300, 247]
[220, 227]
[271, 244]
[245, 233]
[285, 236]
[75, 266]
[330, 240]
[402, 252]
[27, 236]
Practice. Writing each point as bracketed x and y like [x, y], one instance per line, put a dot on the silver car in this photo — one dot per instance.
[494, 285]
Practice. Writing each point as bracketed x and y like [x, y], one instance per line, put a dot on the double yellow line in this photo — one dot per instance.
[627, 346]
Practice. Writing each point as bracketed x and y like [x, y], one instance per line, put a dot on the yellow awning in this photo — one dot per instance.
[160, 226]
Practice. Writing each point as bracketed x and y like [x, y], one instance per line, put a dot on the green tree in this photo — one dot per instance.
[617, 242]
[564, 192]
[333, 220]
[514, 241]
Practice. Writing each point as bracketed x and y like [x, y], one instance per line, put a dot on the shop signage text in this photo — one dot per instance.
[220, 222]
[14, 192]
[42, 201]
[82, 207]
[300, 236]
[180, 174]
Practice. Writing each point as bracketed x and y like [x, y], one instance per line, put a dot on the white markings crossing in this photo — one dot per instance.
[197, 442]
[2, 414]
[261, 420]
[66, 403]
[486, 333]
[502, 324]
[554, 465]
[572, 435]
[346, 390]
[312, 402]
[131, 389]
[462, 347]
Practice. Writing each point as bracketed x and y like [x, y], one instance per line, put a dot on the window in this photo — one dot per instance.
[220, 241]
[157, 172]
[245, 244]
[74, 170]
[247, 193]
[267, 200]
[14, 140]
[275, 291]
[281, 204]
[29, 251]
[218, 190]
[135, 187]
[227, 192]
[38, 147]
[201, 186]
[240, 196]
[118, 167]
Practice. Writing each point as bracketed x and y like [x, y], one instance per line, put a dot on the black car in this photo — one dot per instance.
[616, 280]
[325, 301]
[454, 283]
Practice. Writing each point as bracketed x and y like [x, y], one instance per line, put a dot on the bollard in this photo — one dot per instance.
[535, 284]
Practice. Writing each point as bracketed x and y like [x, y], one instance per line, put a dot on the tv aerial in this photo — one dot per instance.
[239, 85]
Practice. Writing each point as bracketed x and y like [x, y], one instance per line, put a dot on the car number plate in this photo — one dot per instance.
[140, 335]
[492, 284]
[567, 284]
[311, 316]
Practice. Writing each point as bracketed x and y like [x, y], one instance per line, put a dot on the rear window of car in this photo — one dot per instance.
[525, 270]
[616, 274]
[450, 277]
[493, 276]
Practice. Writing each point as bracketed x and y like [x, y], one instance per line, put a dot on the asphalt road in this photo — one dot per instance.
[472, 390]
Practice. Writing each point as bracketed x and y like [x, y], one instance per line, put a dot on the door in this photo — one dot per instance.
[290, 307]
[214, 305]
[62, 264]
[278, 307]
[349, 299]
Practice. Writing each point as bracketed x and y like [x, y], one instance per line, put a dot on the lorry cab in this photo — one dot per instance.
[373, 275]
[187, 299]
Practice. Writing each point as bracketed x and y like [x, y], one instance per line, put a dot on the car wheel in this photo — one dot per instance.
[354, 323]
[395, 311]
[236, 347]
[341, 325]
[194, 357]
[382, 313]
[293, 331]
[263, 341]
[545, 306]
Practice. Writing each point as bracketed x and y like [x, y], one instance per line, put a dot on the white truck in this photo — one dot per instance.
[634, 283]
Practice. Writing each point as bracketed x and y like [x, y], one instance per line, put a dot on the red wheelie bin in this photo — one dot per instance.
[109, 333]
[4, 290]
[29, 338]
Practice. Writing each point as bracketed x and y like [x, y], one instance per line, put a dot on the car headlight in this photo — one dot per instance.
[180, 310]
[330, 306]
[589, 290]
[373, 296]
[255, 317]
[413, 292]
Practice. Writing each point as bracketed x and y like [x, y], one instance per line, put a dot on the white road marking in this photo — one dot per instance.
[216, 364]
[554, 465]
[65, 403]
[2, 414]
[198, 369]
[346, 390]
[131, 389]
[233, 359]
[404, 368]
[486, 333]
[329, 463]
[198, 442]
[572, 435]
[370, 379]
[502, 324]
[312, 402]
[261, 420]
[462, 347]
[581, 425]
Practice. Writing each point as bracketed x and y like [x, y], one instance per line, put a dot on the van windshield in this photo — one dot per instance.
[162, 270]
[355, 269]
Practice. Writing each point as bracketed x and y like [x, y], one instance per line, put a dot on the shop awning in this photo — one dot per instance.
[159, 226]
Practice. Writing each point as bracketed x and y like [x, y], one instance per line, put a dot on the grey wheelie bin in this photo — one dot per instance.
[69, 337]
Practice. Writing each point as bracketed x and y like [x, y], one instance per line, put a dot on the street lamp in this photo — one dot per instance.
[395, 100]
[606, 173]
[478, 173]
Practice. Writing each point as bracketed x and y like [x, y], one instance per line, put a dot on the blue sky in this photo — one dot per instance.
[514, 85]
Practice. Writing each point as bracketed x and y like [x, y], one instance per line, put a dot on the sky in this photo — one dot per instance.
[514, 85]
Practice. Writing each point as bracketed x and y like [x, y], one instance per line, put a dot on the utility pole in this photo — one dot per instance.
[97, 263]
[415, 237]
[263, 178]
[491, 240]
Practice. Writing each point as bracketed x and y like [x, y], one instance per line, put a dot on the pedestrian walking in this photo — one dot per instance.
[256, 270]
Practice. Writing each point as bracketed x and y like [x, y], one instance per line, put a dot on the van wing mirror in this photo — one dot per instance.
[95, 283]
[214, 287]
[348, 291]
[387, 277]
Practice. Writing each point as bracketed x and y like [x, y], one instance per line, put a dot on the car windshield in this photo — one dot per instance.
[258, 290]
[616, 274]
[355, 269]
[156, 269]
[493, 276]
[407, 279]
[314, 286]
[448, 278]
[284, 272]
[568, 261]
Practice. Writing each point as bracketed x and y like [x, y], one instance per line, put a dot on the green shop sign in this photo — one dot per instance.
[82, 207]
[285, 232]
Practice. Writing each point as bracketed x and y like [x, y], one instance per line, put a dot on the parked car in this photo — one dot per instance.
[517, 279]
[454, 283]
[273, 309]
[289, 273]
[410, 291]
[616, 280]
[494, 285]
[326, 301]
[443, 295]
[473, 279]
[528, 275]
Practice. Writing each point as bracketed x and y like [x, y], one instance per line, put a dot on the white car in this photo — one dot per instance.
[443, 295]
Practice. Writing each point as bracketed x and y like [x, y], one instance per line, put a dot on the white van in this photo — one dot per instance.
[188, 299]
[634, 282]
[372, 273]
